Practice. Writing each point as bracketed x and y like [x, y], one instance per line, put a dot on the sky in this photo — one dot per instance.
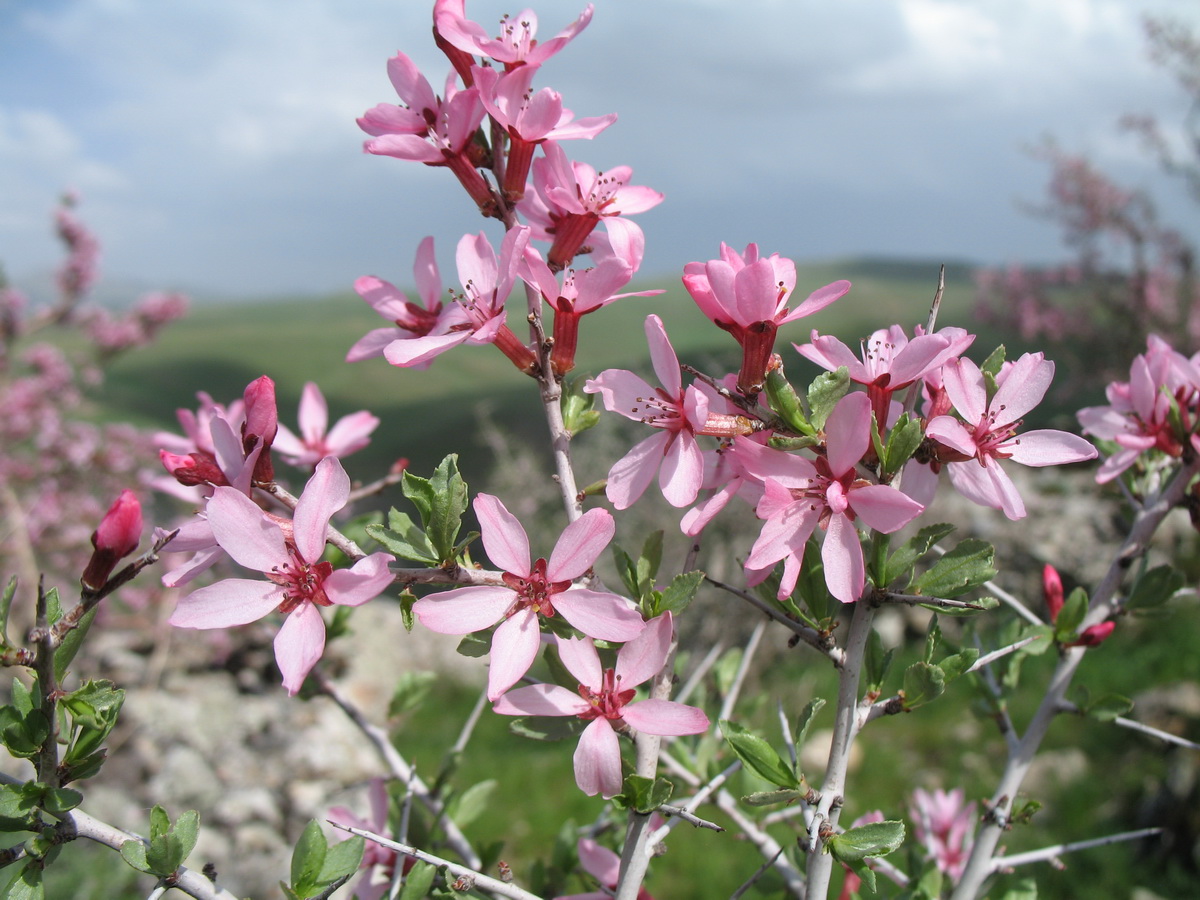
[214, 144]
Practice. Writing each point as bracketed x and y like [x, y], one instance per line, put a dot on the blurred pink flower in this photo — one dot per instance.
[945, 824]
[378, 863]
[350, 434]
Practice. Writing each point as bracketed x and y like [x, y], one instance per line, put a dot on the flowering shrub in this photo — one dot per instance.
[838, 476]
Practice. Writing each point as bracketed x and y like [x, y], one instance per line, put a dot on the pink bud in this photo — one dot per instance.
[1052, 590]
[117, 537]
[193, 469]
[1093, 636]
[262, 422]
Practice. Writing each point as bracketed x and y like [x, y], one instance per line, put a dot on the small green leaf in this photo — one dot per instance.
[57, 801]
[873, 840]
[900, 563]
[407, 599]
[1071, 616]
[472, 803]
[768, 798]
[411, 690]
[649, 562]
[954, 666]
[965, 567]
[28, 883]
[644, 795]
[785, 403]
[187, 830]
[1107, 707]
[903, 440]
[22, 698]
[758, 756]
[991, 365]
[804, 722]
[475, 646]
[824, 393]
[160, 822]
[876, 662]
[134, 853]
[6, 599]
[70, 645]
[1026, 889]
[933, 637]
[308, 859]
[923, 682]
[578, 409]
[403, 538]
[680, 593]
[546, 728]
[1155, 587]
[418, 881]
[342, 859]
[627, 570]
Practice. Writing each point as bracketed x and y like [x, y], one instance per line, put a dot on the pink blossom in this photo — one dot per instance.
[605, 700]
[582, 291]
[799, 495]
[378, 863]
[298, 581]
[889, 360]
[529, 591]
[529, 118]
[515, 46]
[570, 198]
[605, 866]
[350, 434]
[988, 432]
[410, 320]
[477, 315]
[945, 824]
[679, 414]
[116, 537]
[747, 295]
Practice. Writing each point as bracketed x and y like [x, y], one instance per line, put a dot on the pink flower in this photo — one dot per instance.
[678, 413]
[747, 296]
[378, 863]
[529, 591]
[604, 699]
[298, 581]
[116, 537]
[798, 495]
[582, 292]
[529, 118]
[477, 315]
[571, 198]
[350, 434]
[890, 361]
[410, 319]
[605, 866]
[988, 432]
[946, 826]
[517, 44]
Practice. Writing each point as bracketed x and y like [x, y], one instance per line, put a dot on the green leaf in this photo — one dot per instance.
[1107, 707]
[1155, 587]
[57, 801]
[954, 666]
[6, 599]
[900, 563]
[475, 646]
[679, 593]
[1026, 889]
[804, 722]
[578, 409]
[903, 440]
[22, 698]
[342, 859]
[923, 682]
[403, 538]
[472, 803]
[1071, 616]
[95, 705]
[160, 822]
[933, 637]
[411, 690]
[768, 798]
[54, 610]
[28, 883]
[187, 829]
[134, 853]
[873, 840]
[758, 756]
[649, 562]
[418, 881]
[70, 645]
[308, 859]
[18, 803]
[785, 403]
[824, 393]
[644, 795]
[441, 501]
[965, 567]
[407, 599]
[876, 662]
[982, 604]
[991, 365]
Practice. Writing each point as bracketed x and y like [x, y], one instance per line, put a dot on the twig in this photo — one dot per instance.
[399, 767]
[1134, 725]
[989, 658]
[705, 665]
[452, 575]
[822, 643]
[940, 602]
[758, 873]
[375, 487]
[1047, 853]
[739, 677]
[469, 726]
[701, 795]
[785, 729]
[681, 813]
[495, 885]
[767, 846]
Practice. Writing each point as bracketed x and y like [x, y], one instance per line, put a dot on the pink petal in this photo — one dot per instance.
[464, 610]
[644, 656]
[964, 386]
[514, 648]
[841, 553]
[988, 486]
[314, 413]
[580, 544]
[234, 601]
[363, 581]
[951, 432]
[504, 539]
[605, 617]
[622, 391]
[350, 433]
[884, 508]
[1047, 447]
[682, 472]
[818, 300]
[580, 657]
[299, 645]
[848, 432]
[371, 345]
[1022, 388]
[244, 531]
[665, 717]
[598, 760]
[326, 492]
[419, 351]
[662, 356]
[632, 473]
[541, 700]
[599, 862]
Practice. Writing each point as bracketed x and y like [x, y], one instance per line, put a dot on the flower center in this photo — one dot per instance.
[301, 582]
[536, 592]
[607, 702]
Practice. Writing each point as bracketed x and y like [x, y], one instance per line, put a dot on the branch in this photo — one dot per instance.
[939, 602]
[1001, 863]
[1134, 725]
[822, 643]
[486, 882]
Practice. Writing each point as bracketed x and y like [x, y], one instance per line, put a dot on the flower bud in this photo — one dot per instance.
[1052, 591]
[118, 536]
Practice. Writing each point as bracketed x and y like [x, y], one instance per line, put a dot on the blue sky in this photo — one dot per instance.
[215, 146]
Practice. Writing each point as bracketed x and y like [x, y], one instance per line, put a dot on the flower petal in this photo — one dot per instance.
[234, 601]
[299, 645]
[540, 700]
[598, 760]
[464, 610]
[1047, 447]
[580, 657]
[643, 657]
[326, 492]
[606, 617]
[244, 531]
[580, 544]
[841, 553]
[363, 581]
[665, 717]
[504, 539]
[514, 648]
